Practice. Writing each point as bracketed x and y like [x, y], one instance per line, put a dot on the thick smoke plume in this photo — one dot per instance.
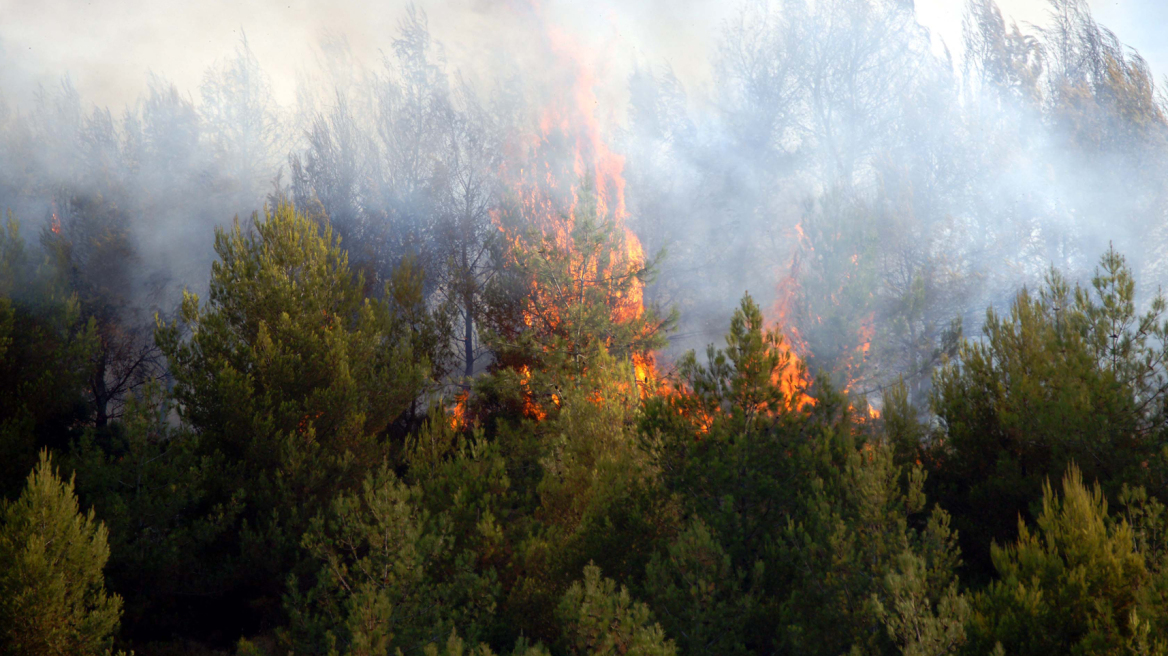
[874, 191]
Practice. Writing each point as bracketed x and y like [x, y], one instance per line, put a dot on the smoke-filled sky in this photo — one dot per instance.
[109, 47]
[829, 116]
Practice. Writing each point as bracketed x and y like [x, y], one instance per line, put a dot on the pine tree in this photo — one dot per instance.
[563, 296]
[1070, 585]
[46, 346]
[145, 476]
[292, 378]
[52, 592]
[1067, 375]
[805, 536]
[595, 495]
[702, 599]
[391, 576]
[599, 619]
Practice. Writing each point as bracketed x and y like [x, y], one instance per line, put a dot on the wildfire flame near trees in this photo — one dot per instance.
[575, 272]
[578, 272]
[563, 224]
[834, 278]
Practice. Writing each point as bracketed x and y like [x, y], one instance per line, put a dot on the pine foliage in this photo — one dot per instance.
[52, 590]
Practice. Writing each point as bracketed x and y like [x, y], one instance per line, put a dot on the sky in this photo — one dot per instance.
[109, 46]
[1142, 24]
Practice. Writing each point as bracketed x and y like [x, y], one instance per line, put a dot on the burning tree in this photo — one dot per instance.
[776, 489]
[826, 301]
[567, 295]
[569, 275]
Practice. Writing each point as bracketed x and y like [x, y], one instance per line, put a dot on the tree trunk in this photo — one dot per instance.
[100, 392]
[468, 338]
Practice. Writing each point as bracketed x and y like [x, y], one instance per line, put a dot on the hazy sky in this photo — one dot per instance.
[108, 46]
[1142, 24]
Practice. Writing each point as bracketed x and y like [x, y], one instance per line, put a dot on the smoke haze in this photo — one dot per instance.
[109, 47]
[826, 156]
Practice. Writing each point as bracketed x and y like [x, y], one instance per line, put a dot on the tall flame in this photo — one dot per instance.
[852, 363]
[547, 169]
[792, 378]
[558, 172]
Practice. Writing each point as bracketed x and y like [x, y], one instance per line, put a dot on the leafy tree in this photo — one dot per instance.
[922, 284]
[567, 326]
[52, 593]
[865, 574]
[456, 647]
[242, 121]
[567, 293]
[378, 174]
[1100, 95]
[597, 619]
[466, 236]
[804, 532]
[594, 493]
[829, 294]
[723, 441]
[1149, 525]
[600, 620]
[699, 595]
[99, 262]
[391, 576]
[146, 477]
[918, 620]
[999, 57]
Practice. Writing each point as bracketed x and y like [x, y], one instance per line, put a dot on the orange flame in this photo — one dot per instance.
[792, 378]
[788, 288]
[546, 169]
[530, 407]
[55, 222]
[458, 419]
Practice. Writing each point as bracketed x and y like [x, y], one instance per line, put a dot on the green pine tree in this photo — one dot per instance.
[1070, 585]
[292, 378]
[46, 346]
[52, 592]
[599, 619]
[561, 298]
[805, 537]
[391, 576]
[1067, 375]
[145, 476]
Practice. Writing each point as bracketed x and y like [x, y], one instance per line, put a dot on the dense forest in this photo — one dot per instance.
[859, 351]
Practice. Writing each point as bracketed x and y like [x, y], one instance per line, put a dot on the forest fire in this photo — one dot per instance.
[794, 309]
[356, 324]
[561, 176]
[568, 174]
[792, 378]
